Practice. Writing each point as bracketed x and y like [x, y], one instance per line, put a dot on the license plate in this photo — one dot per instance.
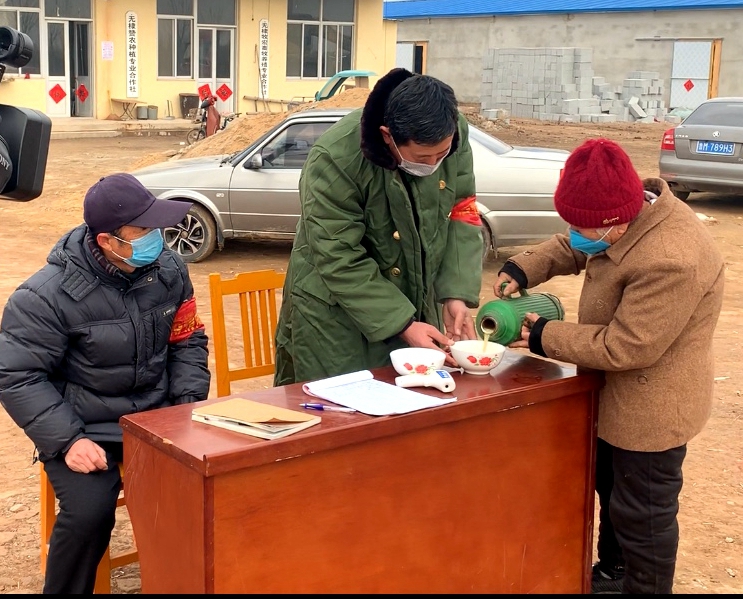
[717, 148]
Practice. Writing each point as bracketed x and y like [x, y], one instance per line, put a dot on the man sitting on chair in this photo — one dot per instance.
[107, 328]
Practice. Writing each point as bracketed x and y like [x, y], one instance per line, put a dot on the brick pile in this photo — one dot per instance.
[559, 85]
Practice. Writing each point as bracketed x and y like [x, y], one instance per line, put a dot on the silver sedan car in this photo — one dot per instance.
[705, 152]
[253, 193]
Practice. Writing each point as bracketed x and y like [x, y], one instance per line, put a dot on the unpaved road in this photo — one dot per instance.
[710, 557]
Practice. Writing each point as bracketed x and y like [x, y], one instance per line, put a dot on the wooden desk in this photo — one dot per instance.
[127, 105]
[490, 494]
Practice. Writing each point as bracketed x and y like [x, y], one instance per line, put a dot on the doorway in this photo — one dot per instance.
[412, 56]
[216, 64]
[695, 72]
[69, 82]
[80, 79]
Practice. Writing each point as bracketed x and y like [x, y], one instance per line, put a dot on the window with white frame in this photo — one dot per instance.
[215, 24]
[319, 37]
[66, 9]
[217, 12]
[23, 15]
[175, 38]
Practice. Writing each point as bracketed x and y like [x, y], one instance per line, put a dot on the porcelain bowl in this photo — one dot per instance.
[411, 360]
[476, 357]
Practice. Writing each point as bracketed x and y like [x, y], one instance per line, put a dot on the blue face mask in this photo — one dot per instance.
[588, 246]
[145, 250]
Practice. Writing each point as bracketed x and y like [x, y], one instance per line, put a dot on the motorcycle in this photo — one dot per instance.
[200, 132]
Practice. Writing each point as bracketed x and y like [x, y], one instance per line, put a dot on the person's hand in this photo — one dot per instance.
[511, 286]
[458, 320]
[85, 456]
[529, 319]
[420, 334]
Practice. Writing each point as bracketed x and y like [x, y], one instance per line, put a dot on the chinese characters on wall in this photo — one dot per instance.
[132, 75]
[263, 58]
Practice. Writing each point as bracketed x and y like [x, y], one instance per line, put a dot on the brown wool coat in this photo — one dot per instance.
[648, 310]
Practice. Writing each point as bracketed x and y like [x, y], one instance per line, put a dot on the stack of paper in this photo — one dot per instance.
[362, 392]
[254, 418]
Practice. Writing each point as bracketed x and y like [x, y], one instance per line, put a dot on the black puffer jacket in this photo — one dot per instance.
[80, 348]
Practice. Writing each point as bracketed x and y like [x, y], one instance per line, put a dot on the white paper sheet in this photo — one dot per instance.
[362, 392]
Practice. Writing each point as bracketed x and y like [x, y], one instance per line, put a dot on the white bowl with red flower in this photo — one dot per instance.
[476, 356]
[417, 360]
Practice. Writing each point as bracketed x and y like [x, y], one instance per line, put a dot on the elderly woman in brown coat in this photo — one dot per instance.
[650, 301]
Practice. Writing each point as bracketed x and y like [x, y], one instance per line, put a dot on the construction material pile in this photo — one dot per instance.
[245, 129]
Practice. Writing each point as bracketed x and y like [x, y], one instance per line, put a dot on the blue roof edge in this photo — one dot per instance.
[547, 11]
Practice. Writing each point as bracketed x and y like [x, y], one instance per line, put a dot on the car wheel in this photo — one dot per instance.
[195, 237]
[682, 195]
[487, 243]
[194, 135]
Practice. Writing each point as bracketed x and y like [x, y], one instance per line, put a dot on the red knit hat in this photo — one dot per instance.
[599, 187]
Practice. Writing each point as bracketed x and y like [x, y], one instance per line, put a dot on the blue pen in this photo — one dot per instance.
[319, 406]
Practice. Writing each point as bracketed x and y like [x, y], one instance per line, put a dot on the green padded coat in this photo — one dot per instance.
[374, 247]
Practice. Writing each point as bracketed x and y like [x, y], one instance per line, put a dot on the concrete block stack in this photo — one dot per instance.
[643, 93]
[559, 85]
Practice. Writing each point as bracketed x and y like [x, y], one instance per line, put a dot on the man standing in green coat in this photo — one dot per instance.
[388, 247]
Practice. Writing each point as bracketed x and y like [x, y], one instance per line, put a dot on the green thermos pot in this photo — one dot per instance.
[502, 318]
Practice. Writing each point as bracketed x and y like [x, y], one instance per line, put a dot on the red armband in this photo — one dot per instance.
[465, 211]
[186, 322]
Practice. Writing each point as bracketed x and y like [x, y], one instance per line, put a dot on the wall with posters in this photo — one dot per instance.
[250, 53]
[373, 48]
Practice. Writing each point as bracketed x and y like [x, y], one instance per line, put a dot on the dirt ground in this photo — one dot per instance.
[710, 559]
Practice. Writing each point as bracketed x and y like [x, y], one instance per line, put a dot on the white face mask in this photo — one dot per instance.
[418, 169]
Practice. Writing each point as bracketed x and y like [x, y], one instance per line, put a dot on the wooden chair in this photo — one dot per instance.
[256, 293]
[108, 562]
